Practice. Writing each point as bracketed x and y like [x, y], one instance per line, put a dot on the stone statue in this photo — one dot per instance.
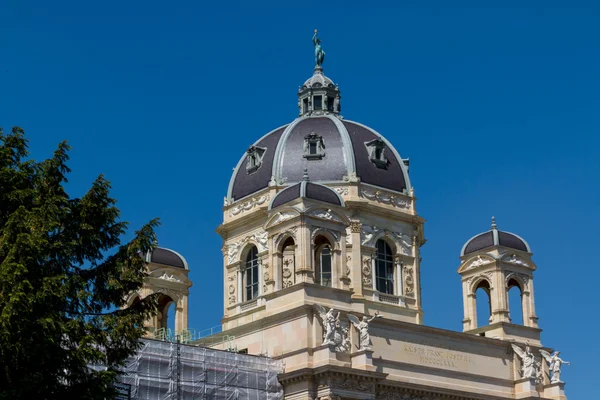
[555, 363]
[319, 53]
[334, 333]
[363, 329]
[529, 367]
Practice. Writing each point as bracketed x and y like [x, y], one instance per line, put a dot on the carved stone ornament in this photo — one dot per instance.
[368, 233]
[283, 216]
[409, 282]
[519, 276]
[342, 191]
[231, 289]
[478, 262]
[348, 235]
[352, 384]
[385, 198]
[403, 239]
[348, 263]
[485, 275]
[316, 231]
[324, 214]
[248, 205]
[233, 249]
[290, 232]
[514, 259]
[355, 227]
[395, 395]
[170, 278]
[334, 332]
[366, 272]
[232, 299]
[287, 272]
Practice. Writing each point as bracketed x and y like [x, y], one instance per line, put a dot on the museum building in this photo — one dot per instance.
[321, 271]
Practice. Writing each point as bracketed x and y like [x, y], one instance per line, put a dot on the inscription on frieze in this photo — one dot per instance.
[436, 357]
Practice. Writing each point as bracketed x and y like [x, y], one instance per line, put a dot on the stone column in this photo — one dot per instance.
[499, 299]
[357, 285]
[532, 319]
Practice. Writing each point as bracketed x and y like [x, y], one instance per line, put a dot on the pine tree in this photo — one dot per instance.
[64, 276]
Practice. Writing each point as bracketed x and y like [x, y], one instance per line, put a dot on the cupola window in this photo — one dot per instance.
[305, 104]
[330, 101]
[314, 147]
[318, 102]
[254, 158]
[376, 149]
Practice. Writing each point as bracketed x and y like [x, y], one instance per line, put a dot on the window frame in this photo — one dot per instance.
[251, 281]
[319, 261]
[384, 261]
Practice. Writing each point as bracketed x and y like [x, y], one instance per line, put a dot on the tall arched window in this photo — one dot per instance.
[325, 265]
[384, 268]
[483, 303]
[515, 302]
[251, 274]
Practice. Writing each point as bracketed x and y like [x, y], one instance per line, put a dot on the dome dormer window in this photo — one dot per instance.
[318, 102]
[376, 149]
[314, 147]
[255, 157]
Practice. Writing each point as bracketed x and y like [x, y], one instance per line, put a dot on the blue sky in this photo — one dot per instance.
[496, 106]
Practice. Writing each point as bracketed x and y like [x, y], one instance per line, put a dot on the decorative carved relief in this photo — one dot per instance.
[316, 231]
[342, 191]
[348, 263]
[248, 205]
[283, 216]
[395, 395]
[355, 227]
[170, 278]
[409, 281]
[233, 249]
[403, 239]
[485, 275]
[348, 235]
[514, 259]
[352, 384]
[479, 261]
[290, 232]
[512, 274]
[385, 198]
[324, 214]
[368, 233]
[366, 272]
[287, 272]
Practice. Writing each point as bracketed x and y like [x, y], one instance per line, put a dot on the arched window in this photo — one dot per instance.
[483, 303]
[251, 275]
[515, 302]
[384, 268]
[324, 255]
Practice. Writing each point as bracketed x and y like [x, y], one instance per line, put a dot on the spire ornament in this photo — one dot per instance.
[319, 53]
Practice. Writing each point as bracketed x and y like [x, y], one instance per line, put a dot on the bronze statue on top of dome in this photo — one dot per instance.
[319, 53]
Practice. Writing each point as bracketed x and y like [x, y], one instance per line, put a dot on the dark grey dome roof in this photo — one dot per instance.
[168, 257]
[346, 154]
[307, 190]
[494, 237]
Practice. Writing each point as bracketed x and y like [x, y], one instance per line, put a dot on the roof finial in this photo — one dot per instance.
[494, 223]
[319, 53]
[305, 175]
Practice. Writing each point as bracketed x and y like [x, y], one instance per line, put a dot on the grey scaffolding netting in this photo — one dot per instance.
[171, 371]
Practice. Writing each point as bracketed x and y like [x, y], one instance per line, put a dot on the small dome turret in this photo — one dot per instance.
[306, 190]
[494, 237]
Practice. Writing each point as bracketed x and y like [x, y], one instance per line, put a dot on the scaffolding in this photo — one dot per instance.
[164, 370]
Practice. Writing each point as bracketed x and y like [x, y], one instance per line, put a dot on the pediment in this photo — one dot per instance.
[476, 261]
[281, 216]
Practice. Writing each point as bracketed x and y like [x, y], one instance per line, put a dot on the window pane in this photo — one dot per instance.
[318, 102]
[325, 266]
[312, 148]
[384, 268]
[330, 101]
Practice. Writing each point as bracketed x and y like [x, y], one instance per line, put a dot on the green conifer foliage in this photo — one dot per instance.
[64, 276]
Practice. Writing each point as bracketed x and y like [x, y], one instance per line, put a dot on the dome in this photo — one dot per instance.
[168, 257]
[307, 190]
[318, 80]
[494, 237]
[331, 148]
